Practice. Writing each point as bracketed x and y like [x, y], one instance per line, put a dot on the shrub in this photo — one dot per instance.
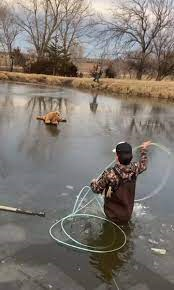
[49, 67]
[109, 72]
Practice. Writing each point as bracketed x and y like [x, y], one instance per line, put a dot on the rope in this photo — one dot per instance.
[78, 206]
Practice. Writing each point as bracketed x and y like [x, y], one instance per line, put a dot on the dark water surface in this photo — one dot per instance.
[43, 167]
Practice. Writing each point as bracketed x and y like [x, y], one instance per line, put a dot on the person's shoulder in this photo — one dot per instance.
[110, 173]
[109, 170]
[134, 165]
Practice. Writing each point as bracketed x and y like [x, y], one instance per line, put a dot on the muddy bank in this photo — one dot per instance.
[144, 89]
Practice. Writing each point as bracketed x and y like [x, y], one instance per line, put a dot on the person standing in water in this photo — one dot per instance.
[119, 182]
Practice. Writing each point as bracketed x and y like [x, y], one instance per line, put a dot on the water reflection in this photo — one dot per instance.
[4, 166]
[147, 119]
[34, 139]
[53, 130]
[41, 160]
[6, 115]
[133, 120]
[94, 104]
[33, 136]
[110, 263]
[136, 119]
[158, 123]
[43, 104]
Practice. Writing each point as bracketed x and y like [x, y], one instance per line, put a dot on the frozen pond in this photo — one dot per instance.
[43, 167]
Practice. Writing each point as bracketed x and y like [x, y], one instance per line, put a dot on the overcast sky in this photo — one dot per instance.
[99, 5]
[102, 5]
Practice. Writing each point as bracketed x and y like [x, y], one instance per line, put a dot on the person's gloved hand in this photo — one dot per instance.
[146, 144]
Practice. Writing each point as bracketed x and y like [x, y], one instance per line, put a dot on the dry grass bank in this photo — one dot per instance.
[150, 89]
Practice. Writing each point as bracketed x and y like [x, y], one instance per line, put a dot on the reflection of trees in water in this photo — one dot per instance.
[158, 122]
[6, 116]
[93, 104]
[41, 105]
[128, 118]
[7, 102]
[36, 137]
[141, 120]
[109, 263]
[6, 109]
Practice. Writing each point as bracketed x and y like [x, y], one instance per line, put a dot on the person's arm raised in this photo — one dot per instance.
[142, 164]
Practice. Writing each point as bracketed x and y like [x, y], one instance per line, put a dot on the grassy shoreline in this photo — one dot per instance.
[141, 89]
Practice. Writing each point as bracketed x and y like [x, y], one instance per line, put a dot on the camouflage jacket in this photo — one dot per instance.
[126, 172]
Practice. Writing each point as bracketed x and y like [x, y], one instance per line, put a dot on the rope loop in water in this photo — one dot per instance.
[79, 206]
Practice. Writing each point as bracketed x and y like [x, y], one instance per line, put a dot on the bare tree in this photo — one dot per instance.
[77, 52]
[8, 30]
[40, 19]
[135, 24]
[164, 54]
[74, 24]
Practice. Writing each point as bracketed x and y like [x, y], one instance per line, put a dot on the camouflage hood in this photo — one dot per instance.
[126, 172]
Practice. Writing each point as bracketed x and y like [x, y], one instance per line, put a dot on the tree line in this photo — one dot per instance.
[140, 32]
[53, 28]
[137, 34]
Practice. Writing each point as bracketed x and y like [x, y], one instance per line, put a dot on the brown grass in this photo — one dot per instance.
[144, 88]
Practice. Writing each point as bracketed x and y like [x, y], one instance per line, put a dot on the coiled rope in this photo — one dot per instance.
[78, 206]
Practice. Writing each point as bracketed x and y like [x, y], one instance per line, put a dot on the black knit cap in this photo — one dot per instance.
[124, 147]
